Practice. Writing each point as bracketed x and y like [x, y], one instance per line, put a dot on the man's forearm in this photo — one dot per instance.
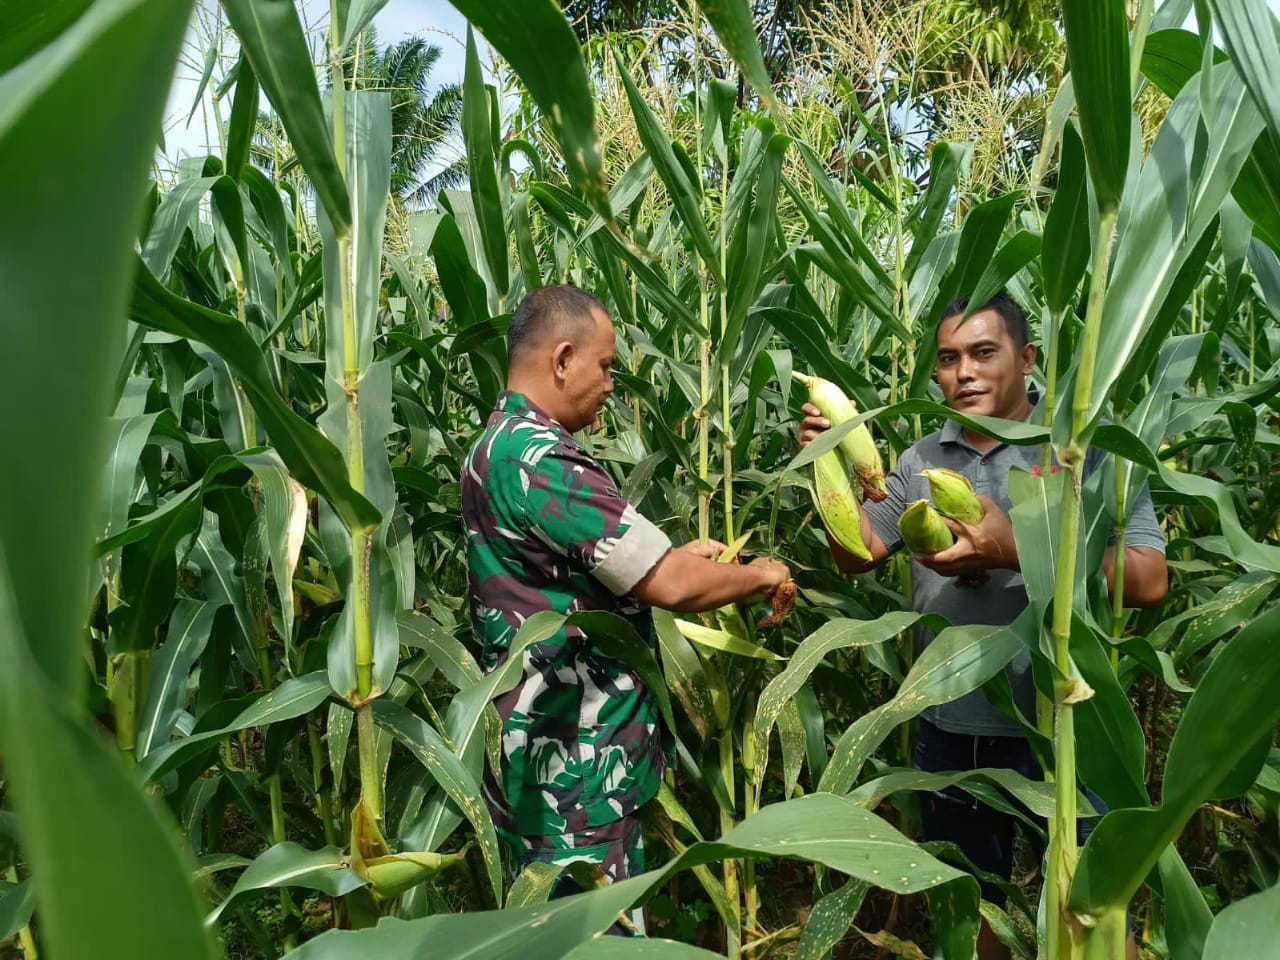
[684, 583]
[1146, 575]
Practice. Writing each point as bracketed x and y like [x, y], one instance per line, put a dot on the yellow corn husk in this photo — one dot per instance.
[953, 495]
[833, 496]
[923, 529]
[857, 445]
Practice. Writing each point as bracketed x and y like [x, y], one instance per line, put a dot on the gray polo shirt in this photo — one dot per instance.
[1003, 596]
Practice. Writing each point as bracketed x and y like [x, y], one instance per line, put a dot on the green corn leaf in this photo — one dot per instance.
[16, 906]
[448, 771]
[50, 204]
[947, 161]
[731, 20]
[1097, 33]
[685, 675]
[311, 457]
[355, 15]
[1065, 247]
[958, 660]
[1187, 917]
[830, 637]
[31, 26]
[682, 184]
[1249, 29]
[641, 948]
[1175, 199]
[481, 171]
[290, 864]
[1170, 59]
[821, 828]
[189, 627]
[538, 42]
[1014, 254]
[149, 579]
[1232, 709]
[244, 118]
[85, 819]
[979, 239]
[839, 213]
[830, 920]
[1246, 928]
[272, 38]
[293, 698]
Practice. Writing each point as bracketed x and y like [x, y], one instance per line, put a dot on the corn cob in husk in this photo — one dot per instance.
[833, 496]
[923, 529]
[857, 445]
[953, 495]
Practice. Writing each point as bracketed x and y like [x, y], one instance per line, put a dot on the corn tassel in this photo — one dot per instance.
[923, 529]
[857, 445]
[953, 495]
[837, 505]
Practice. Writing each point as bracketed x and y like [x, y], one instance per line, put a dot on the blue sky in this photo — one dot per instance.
[436, 20]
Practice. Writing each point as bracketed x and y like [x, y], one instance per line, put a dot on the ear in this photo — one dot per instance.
[1028, 359]
[561, 358]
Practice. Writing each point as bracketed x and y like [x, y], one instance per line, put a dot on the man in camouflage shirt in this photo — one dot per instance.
[546, 529]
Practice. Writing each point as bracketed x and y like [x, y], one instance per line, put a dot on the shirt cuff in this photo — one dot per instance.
[632, 555]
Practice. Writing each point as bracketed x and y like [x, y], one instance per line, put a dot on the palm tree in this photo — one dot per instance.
[422, 123]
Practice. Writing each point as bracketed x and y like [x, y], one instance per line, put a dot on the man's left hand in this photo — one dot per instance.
[987, 545]
[709, 550]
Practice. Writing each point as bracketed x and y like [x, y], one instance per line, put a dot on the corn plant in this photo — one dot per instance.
[283, 386]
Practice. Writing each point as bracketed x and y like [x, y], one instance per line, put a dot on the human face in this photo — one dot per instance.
[587, 377]
[981, 369]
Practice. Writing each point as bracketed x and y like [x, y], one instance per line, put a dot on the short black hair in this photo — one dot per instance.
[1007, 308]
[560, 309]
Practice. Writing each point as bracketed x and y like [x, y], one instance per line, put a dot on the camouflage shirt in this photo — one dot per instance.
[547, 530]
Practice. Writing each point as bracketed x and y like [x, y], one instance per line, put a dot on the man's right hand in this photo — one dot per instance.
[812, 425]
[775, 572]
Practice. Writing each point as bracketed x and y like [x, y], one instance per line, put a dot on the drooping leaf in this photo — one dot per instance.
[731, 20]
[538, 42]
[290, 864]
[830, 637]
[295, 697]
[311, 457]
[956, 661]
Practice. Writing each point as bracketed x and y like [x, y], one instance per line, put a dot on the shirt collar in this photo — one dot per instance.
[515, 404]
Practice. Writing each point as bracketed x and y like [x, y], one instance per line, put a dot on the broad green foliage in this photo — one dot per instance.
[239, 661]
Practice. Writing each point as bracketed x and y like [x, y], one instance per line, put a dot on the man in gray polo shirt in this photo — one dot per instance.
[983, 363]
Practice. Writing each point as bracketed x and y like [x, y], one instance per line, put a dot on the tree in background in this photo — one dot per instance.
[423, 121]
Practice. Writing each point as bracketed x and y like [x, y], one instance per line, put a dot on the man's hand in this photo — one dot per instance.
[987, 545]
[710, 550]
[813, 424]
[775, 572]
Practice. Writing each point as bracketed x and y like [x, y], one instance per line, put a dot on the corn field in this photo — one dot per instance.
[240, 711]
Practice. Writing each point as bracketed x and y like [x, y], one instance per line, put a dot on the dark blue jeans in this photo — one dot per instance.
[983, 833]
